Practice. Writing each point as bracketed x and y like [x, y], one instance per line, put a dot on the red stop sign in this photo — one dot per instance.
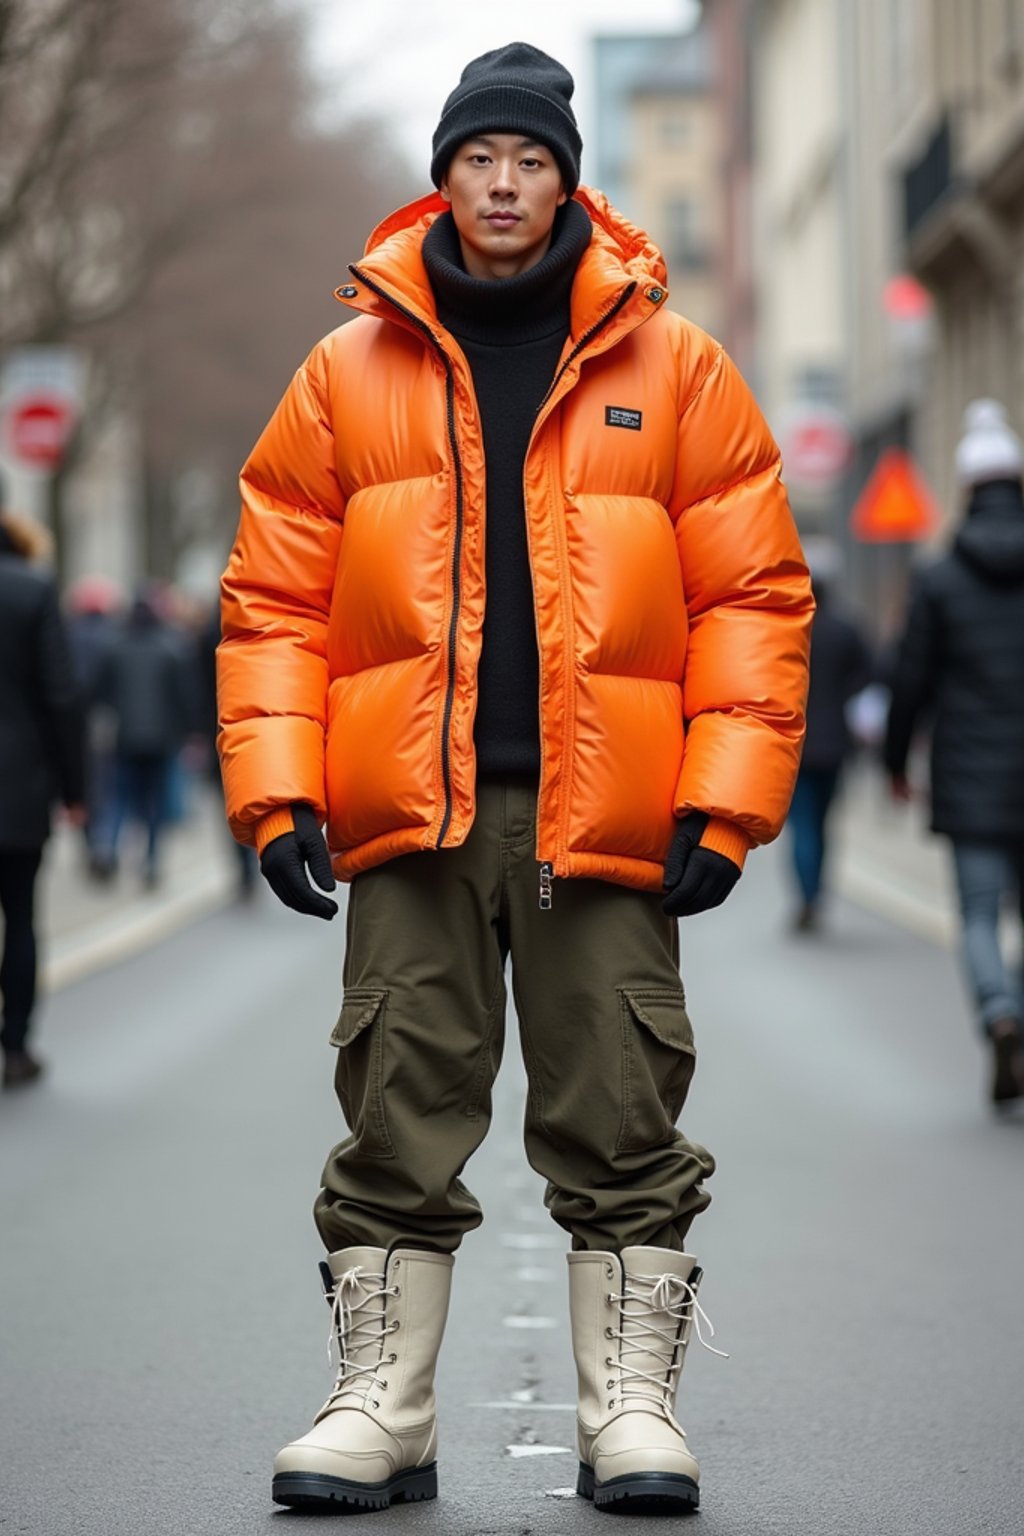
[38, 429]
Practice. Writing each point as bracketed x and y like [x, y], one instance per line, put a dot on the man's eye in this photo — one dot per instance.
[530, 164]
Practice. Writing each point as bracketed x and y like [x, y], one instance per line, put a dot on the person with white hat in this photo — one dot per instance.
[962, 659]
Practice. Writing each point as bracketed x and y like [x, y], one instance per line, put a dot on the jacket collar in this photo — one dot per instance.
[391, 282]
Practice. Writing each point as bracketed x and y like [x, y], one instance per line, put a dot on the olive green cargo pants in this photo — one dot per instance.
[606, 1042]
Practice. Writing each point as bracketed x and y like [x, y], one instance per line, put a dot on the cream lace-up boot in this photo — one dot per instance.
[375, 1439]
[632, 1316]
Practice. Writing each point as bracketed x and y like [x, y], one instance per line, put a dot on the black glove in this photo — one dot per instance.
[696, 878]
[284, 861]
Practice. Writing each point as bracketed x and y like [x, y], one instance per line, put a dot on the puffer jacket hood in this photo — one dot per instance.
[619, 253]
[671, 598]
[992, 538]
[619, 248]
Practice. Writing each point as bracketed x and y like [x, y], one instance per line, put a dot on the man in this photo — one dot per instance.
[508, 535]
[148, 680]
[840, 668]
[41, 758]
[962, 659]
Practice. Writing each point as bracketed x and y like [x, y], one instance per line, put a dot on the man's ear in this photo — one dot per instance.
[445, 191]
[563, 196]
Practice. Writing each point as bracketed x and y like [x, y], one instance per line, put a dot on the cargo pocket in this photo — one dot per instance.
[359, 1035]
[658, 1061]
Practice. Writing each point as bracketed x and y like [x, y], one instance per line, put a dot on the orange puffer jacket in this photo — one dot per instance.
[672, 601]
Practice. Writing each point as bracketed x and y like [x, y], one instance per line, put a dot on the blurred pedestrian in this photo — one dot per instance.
[92, 605]
[961, 666]
[147, 680]
[515, 413]
[41, 760]
[840, 669]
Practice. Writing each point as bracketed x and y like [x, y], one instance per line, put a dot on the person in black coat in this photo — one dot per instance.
[41, 759]
[961, 662]
[147, 680]
[840, 667]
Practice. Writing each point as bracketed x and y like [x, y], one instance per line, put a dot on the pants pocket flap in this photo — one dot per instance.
[358, 1011]
[663, 1012]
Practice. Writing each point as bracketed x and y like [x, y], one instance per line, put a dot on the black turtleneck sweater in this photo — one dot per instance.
[512, 331]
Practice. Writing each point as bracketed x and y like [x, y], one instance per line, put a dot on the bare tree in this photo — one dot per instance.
[276, 211]
[167, 205]
[78, 78]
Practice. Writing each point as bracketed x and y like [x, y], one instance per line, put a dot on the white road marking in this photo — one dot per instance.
[559, 1493]
[530, 1276]
[538, 1450]
[507, 1403]
[528, 1240]
[530, 1322]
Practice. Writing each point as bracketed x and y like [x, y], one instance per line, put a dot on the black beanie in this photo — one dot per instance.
[515, 89]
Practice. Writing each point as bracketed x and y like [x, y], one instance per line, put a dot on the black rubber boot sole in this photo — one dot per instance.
[311, 1490]
[653, 1492]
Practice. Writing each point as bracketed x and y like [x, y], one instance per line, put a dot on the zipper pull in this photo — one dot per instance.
[545, 887]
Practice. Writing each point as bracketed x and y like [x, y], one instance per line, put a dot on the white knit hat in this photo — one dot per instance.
[989, 448]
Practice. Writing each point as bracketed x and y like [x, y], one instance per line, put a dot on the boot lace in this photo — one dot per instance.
[654, 1327]
[358, 1312]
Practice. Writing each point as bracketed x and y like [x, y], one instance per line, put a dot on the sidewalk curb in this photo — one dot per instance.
[878, 891]
[149, 920]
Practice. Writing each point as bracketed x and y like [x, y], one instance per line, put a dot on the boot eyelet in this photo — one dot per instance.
[392, 1358]
[611, 1402]
[609, 1333]
[383, 1386]
[396, 1290]
[608, 1360]
[397, 1264]
[609, 1271]
[375, 1402]
[609, 1385]
[395, 1326]
[611, 1298]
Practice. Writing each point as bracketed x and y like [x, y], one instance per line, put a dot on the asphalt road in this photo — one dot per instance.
[162, 1331]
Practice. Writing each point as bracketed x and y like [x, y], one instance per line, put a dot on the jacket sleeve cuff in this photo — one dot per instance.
[727, 838]
[273, 825]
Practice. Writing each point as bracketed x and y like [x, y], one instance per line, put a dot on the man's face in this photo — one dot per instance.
[504, 191]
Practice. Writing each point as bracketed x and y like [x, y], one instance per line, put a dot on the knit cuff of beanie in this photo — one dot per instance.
[275, 824]
[514, 89]
[727, 838]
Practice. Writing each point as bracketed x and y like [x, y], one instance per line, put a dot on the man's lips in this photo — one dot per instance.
[502, 220]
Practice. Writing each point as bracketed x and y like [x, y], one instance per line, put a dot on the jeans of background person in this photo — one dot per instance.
[140, 794]
[814, 793]
[986, 875]
[18, 870]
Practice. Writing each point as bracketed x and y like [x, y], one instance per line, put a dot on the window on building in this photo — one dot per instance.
[684, 245]
[674, 129]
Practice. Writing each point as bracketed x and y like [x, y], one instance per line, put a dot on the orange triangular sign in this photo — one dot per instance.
[895, 506]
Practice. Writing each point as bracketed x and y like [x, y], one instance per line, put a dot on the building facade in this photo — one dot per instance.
[958, 162]
[659, 157]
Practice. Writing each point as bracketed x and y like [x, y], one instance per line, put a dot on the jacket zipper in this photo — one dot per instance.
[453, 626]
[547, 871]
[587, 337]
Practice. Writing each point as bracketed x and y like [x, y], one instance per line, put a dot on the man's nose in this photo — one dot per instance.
[503, 181]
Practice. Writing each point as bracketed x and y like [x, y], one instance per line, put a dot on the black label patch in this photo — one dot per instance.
[620, 416]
